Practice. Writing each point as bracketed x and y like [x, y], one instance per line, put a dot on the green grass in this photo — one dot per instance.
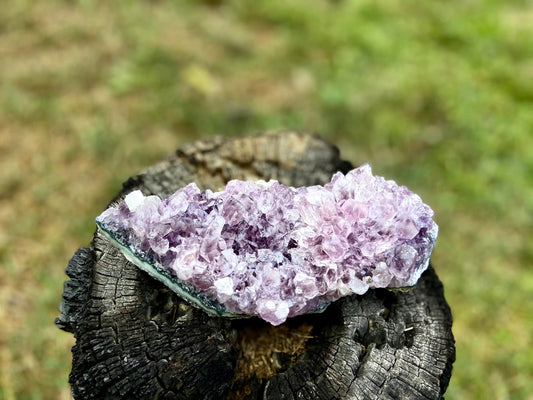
[437, 95]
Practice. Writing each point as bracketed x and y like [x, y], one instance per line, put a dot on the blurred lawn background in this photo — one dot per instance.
[437, 95]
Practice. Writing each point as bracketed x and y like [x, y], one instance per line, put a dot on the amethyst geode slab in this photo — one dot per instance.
[262, 248]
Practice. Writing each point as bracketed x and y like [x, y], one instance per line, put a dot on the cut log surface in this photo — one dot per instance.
[135, 339]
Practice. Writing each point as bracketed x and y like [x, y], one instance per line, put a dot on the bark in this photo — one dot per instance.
[136, 339]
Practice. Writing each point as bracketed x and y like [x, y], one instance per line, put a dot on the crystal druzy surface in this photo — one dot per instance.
[262, 248]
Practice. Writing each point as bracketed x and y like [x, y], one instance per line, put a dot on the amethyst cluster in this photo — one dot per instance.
[262, 248]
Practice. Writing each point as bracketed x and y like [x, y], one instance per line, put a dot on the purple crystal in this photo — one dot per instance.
[262, 248]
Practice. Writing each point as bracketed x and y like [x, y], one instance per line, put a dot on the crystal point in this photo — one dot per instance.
[265, 249]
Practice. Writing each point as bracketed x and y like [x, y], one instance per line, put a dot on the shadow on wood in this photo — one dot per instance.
[136, 339]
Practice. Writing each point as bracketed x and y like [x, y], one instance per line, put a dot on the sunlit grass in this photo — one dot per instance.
[436, 95]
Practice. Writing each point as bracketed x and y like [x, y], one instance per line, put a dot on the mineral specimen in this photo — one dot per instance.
[262, 248]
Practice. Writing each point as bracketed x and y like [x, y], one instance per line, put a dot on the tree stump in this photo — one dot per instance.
[135, 339]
